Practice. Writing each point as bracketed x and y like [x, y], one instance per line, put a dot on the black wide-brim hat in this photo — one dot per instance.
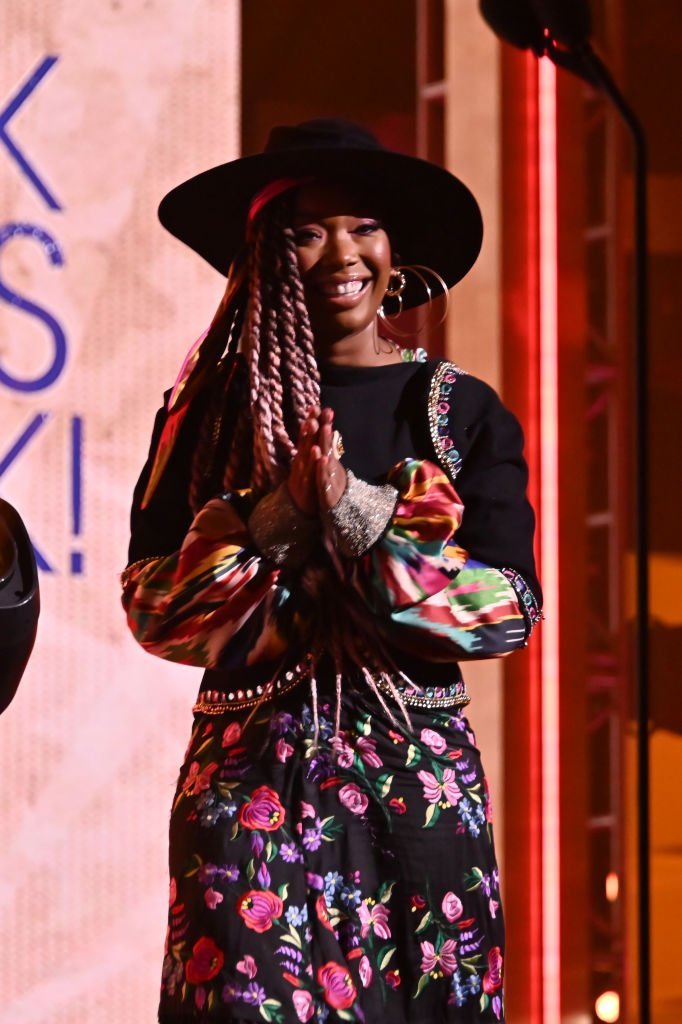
[431, 217]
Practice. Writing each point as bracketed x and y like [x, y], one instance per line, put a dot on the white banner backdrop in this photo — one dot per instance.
[103, 107]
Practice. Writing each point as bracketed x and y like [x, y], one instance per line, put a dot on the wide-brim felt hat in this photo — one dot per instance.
[431, 216]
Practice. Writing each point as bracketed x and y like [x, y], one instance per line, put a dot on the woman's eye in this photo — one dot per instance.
[305, 235]
[368, 227]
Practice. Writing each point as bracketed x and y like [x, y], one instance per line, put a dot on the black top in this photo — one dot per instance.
[382, 415]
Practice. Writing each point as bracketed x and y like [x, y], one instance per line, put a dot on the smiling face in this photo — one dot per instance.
[344, 258]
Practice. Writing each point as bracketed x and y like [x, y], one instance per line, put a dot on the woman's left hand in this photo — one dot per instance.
[330, 474]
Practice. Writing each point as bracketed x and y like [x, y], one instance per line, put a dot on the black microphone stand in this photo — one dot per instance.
[582, 60]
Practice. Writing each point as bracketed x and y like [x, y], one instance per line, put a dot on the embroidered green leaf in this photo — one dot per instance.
[250, 870]
[225, 788]
[437, 770]
[294, 935]
[414, 756]
[345, 1015]
[211, 999]
[235, 830]
[421, 985]
[473, 880]
[385, 891]
[364, 725]
[268, 851]
[184, 991]
[203, 746]
[385, 955]
[485, 999]
[432, 815]
[424, 923]
[468, 966]
[272, 1004]
[384, 783]
[265, 1013]
[283, 891]
[197, 864]
[291, 939]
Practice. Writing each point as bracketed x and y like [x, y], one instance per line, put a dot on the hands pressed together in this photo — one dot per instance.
[317, 479]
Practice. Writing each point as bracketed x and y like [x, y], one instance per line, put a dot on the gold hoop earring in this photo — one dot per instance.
[397, 292]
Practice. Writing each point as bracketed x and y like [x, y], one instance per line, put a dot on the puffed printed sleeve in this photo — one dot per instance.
[429, 596]
[216, 602]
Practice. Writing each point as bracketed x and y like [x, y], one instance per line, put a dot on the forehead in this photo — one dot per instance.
[321, 200]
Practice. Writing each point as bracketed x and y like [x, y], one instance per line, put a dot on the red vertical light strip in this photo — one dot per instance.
[549, 534]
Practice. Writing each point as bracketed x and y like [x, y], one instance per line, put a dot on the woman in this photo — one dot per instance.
[297, 532]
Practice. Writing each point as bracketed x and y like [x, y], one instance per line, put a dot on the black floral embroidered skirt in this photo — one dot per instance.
[352, 880]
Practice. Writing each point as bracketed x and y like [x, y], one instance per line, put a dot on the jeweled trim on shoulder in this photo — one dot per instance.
[440, 402]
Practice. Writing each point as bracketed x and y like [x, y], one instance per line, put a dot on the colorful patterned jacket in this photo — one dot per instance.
[452, 576]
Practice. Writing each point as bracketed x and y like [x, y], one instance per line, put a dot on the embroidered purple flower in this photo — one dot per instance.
[290, 853]
[254, 994]
[452, 906]
[231, 992]
[433, 740]
[230, 872]
[445, 957]
[352, 797]
[263, 876]
[374, 918]
[434, 791]
[296, 915]
[257, 843]
[312, 837]
[206, 875]
[281, 723]
[314, 881]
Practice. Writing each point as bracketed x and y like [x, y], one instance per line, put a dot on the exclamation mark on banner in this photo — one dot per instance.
[77, 490]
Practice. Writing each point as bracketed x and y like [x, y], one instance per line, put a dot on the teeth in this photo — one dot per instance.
[347, 288]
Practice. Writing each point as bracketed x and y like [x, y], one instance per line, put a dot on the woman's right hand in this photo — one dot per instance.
[302, 482]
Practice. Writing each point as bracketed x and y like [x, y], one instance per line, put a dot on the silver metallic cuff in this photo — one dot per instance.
[361, 515]
[281, 531]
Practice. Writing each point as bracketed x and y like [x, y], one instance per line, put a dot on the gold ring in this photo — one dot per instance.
[337, 448]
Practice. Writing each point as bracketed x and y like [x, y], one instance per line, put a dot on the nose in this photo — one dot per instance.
[342, 249]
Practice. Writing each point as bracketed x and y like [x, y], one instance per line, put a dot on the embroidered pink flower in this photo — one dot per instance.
[397, 804]
[492, 979]
[248, 966]
[205, 962]
[452, 906]
[366, 748]
[445, 957]
[352, 797]
[283, 750]
[374, 918]
[172, 892]
[433, 740]
[198, 780]
[259, 909]
[303, 1004]
[212, 899]
[434, 791]
[307, 810]
[393, 978]
[232, 734]
[493, 907]
[365, 972]
[263, 810]
[339, 990]
[345, 755]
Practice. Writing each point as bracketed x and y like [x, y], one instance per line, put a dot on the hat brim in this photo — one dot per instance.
[431, 216]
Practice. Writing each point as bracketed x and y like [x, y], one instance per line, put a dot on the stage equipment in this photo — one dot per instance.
[560, 29]
[19, 601]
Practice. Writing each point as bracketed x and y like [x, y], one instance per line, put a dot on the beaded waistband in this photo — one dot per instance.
[217, 702]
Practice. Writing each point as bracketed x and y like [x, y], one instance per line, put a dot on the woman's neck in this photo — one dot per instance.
[367, 348]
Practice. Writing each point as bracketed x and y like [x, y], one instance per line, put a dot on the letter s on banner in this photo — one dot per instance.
[55, 255]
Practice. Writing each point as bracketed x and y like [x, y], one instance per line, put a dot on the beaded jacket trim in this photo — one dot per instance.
[439, 403]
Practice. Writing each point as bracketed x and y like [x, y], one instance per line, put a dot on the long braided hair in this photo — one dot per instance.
[249, 431]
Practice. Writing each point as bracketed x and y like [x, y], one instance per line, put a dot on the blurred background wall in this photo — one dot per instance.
[114, 105]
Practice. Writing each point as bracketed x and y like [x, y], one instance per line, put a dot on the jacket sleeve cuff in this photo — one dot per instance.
[281, 531]
[361, 515]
